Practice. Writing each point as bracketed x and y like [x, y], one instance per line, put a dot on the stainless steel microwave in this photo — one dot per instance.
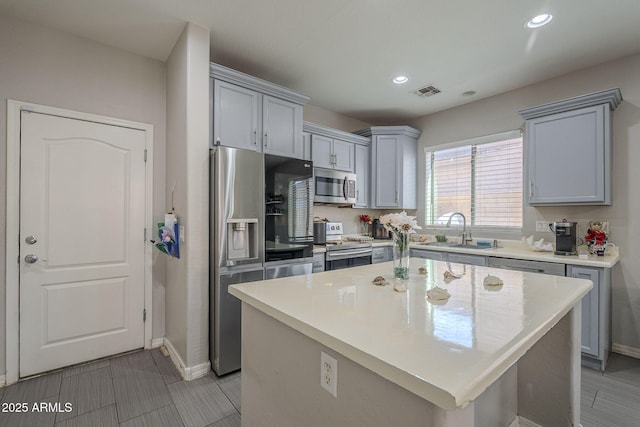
[334, 186]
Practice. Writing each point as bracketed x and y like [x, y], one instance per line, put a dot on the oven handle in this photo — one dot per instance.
[349, 254]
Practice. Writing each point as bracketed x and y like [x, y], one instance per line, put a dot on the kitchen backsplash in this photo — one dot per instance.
[350, 217]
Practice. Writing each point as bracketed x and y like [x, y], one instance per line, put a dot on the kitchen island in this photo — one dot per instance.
[488, 355]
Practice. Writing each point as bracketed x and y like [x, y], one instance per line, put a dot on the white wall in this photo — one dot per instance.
[187, 298]
[56, 69]
[500, 113]
[324, 117]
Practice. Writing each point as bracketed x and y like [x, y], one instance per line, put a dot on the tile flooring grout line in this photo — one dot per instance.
[154, 410]
[593, 402]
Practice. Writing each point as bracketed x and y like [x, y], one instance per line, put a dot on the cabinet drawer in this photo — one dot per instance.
[318, 262]
[427, 254]
[378, 255]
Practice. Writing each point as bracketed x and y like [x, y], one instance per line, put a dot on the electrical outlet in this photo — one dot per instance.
[329, 373]
[543, 227]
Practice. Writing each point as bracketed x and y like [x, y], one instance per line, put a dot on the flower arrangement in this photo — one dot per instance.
[366, 219]
[400, 222]
[400, 225]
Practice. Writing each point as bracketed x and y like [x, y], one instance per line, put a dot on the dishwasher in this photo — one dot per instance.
[552, 268]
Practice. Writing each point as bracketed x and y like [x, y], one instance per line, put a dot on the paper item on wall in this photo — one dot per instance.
[169, 220]
[539, 246]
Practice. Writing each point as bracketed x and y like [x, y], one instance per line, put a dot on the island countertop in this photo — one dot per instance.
[447, 352]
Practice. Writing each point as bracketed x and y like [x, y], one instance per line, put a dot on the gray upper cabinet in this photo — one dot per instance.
[253, 114]
[282, 127]
[568, 146]
[363, 160]
[332, 153]
[333, 148]
[394, 151]
[236, 116]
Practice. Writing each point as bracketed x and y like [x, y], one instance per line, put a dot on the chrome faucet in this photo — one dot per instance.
[465, 237]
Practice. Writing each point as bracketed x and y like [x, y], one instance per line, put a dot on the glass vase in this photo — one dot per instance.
[365, 229]
[401, 255]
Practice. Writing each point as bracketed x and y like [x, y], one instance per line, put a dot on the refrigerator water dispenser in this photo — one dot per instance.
[242, 236]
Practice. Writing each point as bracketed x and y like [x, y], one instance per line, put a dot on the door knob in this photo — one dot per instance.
[30, 258]
[30, 240]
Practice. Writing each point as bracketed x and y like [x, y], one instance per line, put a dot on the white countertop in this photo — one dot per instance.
[446, 353]
[518, 250]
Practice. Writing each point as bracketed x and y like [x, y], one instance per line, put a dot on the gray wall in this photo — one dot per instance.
[187, 298]
[500, 113]
[55, 69]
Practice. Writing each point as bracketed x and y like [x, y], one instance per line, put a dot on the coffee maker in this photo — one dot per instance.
[565, 237]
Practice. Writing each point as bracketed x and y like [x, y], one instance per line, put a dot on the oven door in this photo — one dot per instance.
[334, 187]
[347, 258]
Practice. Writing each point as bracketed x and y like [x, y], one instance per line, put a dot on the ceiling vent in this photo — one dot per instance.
[426, 91]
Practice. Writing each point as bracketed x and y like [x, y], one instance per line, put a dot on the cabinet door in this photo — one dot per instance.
[590, 315]
[427, 254]
[386, 172]
[362, 176]
[566, 156]
[321, 151]
[378, 255]
[282, 127]
[467, 259]
[306, 145]
[318, 262]
[235, 116]
[343, 155]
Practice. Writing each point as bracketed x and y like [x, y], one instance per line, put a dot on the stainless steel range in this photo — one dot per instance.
[342, 251]
[347, 254]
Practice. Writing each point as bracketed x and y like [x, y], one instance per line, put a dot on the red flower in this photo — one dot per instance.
[366, 218]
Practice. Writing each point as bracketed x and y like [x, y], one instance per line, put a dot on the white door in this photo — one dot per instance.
[82, 210]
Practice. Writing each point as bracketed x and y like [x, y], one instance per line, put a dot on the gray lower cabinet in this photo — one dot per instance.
[449, 256]
[382, 254]
[318, 262]
[467, 259]
[596, 315]
[427, 254]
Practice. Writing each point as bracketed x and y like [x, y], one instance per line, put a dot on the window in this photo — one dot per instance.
[481, 178]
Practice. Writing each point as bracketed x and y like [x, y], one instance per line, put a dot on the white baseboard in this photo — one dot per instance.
[625, 350]
[187, 373]
[157, 342]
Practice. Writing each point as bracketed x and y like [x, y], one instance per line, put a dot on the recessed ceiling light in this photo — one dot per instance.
[539, 21]
[400, 80]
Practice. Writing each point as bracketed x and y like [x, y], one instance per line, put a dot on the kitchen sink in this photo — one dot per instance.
[454, 245]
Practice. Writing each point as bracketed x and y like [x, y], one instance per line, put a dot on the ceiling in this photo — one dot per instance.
[344, 53]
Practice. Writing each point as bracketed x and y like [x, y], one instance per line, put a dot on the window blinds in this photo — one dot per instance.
[482, 179]
[300, 209]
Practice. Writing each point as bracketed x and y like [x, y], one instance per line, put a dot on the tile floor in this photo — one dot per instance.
[134, 390]
[144, 389]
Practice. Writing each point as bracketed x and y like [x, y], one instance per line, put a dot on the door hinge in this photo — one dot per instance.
[145, 155]
[144, 315]
[145, 234]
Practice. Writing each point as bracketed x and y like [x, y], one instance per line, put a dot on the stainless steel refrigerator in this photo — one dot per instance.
[236, 246]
